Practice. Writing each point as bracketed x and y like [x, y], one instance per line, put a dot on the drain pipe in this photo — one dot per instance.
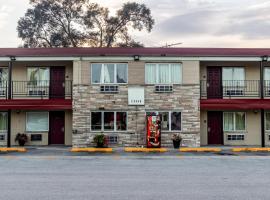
[264, 59]
[10, 66]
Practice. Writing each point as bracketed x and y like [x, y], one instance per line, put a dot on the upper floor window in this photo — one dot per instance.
[267, 73]
[163, 73]
[109, 73]
[3, 74]
[232, 76]
[38, 76]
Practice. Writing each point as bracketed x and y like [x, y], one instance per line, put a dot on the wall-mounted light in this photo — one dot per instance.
[101, 108]
[265, 58]
[136, 58]
[12, 58]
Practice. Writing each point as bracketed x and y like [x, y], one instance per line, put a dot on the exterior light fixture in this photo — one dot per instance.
[12, 58]
[265, 58]
[136, 58]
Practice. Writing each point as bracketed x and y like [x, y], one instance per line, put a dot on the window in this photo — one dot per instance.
[267, 121]
[109, 73]
[170, 120]
[234, 121]
[3, 121]
[108, 121]
[163, 73]
[3, 80]
[233, 76]
[38, 76]
[37, 121]
[267, 73]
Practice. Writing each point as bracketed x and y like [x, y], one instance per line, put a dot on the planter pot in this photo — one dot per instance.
[176, 144]
[100, 145]
[21, 142]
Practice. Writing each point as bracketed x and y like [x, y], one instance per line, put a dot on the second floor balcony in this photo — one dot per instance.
[36, 90]
[234, 89]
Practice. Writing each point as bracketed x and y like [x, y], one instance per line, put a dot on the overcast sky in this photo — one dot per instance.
[195, 23]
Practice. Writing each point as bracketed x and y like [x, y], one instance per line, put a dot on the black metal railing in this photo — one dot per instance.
[36, 89]
[229, 88]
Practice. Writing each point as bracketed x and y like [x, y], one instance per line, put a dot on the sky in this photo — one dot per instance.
[193, 23]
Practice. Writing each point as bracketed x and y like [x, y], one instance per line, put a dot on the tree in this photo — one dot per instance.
[77, 23]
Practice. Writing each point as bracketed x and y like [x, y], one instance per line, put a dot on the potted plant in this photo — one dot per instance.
[100, 140]
[21, 138]
[176, 138]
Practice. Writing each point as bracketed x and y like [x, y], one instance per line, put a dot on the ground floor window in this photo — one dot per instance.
[234, 121]
[37, 121]
[170, 120]
[108, 121]
[3, 121]
[267, 121]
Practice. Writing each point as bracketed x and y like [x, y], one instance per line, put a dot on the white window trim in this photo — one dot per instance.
[40, 131]
[234, 124]
[102, 74]
[170, 119]
[102, 122]
[157, 73]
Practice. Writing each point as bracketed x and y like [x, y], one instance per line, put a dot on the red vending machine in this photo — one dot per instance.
[153, 130]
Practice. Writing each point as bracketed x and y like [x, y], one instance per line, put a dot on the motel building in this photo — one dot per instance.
[65, 96]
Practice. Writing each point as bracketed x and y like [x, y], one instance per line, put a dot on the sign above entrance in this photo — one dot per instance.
[136, 96]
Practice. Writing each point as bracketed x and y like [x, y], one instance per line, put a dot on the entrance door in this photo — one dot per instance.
[57, 82]
[215, 127]
[214, 83]
[57, 127]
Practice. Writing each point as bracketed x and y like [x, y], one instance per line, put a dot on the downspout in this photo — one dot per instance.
[10, 66]
[264, 59]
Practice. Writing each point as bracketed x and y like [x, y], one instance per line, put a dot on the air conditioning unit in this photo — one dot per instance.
[163, 88]
[234, 92]
[37, 92]
[109, 89]
[112, 139]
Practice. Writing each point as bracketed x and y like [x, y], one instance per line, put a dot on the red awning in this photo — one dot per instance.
[235, 104]
[36, 104]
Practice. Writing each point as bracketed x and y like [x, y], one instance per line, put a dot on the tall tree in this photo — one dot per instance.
[77, 23]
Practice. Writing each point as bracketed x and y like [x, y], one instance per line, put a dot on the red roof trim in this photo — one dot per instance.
[235, 104]
[33, 104]
[69, 52]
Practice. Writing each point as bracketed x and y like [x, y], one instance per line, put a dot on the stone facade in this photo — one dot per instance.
[184, 98]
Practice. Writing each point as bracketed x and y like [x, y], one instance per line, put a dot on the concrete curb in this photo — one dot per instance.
[250, 149]
[92, 150]
[13, 149]
[200, 149]
[145, 150]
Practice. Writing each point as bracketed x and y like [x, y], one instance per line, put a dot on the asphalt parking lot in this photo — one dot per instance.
[57, 174]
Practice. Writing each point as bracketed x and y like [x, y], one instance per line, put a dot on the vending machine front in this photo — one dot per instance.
[153, 131]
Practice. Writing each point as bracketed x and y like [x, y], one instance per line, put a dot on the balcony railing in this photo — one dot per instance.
[228, 89]
[36, 89]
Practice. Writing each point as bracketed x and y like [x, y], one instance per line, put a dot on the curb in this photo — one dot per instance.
[251, 149]
[13, 149]
[200, 149]
[145, 150]
[92, 150]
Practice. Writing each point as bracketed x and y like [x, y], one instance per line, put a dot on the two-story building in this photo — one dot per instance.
[211, 96]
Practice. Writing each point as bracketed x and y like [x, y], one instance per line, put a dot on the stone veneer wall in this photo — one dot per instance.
[185, 98]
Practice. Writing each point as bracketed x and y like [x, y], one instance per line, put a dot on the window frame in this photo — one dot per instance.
[267, 130]
[115, 74]
[170, 119]
[4, 131]
[102, 122]
[157, 73]
[234, 124]
[39, 131]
